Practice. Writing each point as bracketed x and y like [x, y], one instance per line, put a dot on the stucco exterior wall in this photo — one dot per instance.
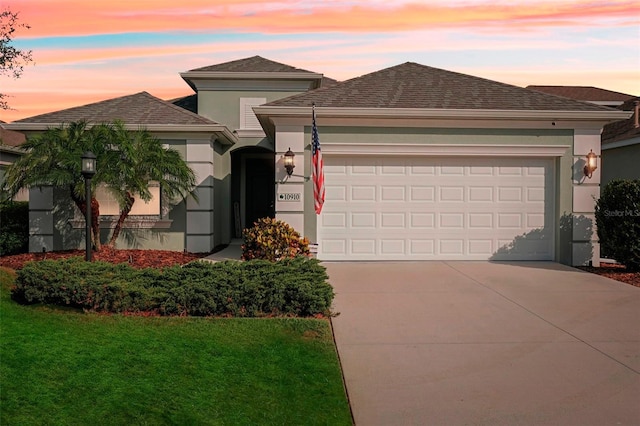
[223, 106]
[620, 163]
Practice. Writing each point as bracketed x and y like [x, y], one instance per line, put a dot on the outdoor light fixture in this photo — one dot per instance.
[592, 164]
[289, 164]
[88, 169]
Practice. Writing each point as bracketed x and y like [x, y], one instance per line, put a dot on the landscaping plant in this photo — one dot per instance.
[14, 233]
[618, 221]
[291, 287]
[273, 240]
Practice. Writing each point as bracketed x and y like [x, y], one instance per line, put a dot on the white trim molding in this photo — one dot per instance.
[446, 150]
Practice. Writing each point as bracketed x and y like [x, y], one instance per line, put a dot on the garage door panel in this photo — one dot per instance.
[437, 208]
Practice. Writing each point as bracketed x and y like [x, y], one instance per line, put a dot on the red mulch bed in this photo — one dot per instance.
[137, 258]
[615, 272]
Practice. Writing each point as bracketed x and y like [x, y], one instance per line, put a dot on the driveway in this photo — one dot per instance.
[453, 343]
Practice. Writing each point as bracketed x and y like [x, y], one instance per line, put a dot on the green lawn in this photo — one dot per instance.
[68, 368]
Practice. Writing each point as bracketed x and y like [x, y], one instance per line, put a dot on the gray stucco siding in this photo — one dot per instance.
[223, 106]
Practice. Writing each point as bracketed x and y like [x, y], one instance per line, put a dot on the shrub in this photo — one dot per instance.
[255, 288]
[618, 221]
[273, 240]
[14, 234]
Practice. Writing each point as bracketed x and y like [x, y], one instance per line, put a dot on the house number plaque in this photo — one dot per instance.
[288, 197]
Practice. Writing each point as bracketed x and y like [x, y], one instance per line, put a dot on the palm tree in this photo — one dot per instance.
[141, 160]
[52, 158]
[127, 162]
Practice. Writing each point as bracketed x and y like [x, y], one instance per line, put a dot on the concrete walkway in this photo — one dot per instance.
[232, 252]
[456, 343]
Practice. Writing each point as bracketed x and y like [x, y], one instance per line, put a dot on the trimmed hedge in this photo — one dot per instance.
[296, 287]
[14, 232]
[618, 221]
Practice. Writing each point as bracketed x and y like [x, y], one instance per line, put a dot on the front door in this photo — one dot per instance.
[259, 189]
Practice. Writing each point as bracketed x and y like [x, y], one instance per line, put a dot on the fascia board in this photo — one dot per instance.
[453, 114]
[226, 136]
[192, 77]
[218, 75]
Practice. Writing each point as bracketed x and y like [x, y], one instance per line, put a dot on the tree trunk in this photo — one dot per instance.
[95, 223]
[95, 216]
[124, 213]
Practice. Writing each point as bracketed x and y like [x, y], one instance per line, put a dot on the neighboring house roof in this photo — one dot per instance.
[137, 110]
[255, 68]
[585, 93]
[412, 85]
[623, 130]
[10, 137]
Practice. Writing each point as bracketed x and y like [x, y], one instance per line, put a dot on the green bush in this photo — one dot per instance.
[273, 240]
[618, 221]
[14, 230]
[296, 287]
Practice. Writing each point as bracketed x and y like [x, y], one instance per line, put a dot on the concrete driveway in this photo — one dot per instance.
[453, 343]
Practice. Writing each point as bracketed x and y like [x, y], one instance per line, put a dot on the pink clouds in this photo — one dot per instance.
[80, 17]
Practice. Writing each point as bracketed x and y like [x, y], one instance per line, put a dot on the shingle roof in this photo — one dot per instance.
[137, 109]
[623, 129]
[190, 103]
[10, 137]
[252, 64]
[412, 85]
[583, 93]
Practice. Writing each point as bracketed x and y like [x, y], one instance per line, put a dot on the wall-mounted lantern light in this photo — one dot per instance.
[289, 164]
[592, 164]
[88, 169]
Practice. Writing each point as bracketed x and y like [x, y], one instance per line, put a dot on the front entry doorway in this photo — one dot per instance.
[253, 171]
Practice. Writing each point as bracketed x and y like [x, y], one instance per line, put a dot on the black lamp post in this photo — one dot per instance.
[88, 170]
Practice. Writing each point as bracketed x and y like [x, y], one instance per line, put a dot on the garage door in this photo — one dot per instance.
[437, 208]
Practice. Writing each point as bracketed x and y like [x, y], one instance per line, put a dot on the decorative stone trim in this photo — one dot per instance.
[143, 222]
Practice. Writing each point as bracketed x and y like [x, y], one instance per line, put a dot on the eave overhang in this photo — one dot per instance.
[191, 77]
[269, 115]
[219, 132]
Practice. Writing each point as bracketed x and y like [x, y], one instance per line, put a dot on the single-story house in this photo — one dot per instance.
[10, 142]
[594, 95]
[420, 164]
[621, 145]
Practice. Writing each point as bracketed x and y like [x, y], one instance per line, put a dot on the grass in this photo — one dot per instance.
[65, 367]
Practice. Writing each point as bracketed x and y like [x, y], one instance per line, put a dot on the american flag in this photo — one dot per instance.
[317, 164]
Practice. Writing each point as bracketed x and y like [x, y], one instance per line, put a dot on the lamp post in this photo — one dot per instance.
[88, 170]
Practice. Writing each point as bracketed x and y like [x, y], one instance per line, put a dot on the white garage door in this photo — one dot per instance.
[437, 208]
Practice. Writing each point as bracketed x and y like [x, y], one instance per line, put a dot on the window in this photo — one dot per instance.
[248, 120]
[109, 205]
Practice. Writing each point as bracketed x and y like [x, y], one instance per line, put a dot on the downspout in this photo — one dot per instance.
[636, 110]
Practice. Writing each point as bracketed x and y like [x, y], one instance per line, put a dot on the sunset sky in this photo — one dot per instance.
[90, 50]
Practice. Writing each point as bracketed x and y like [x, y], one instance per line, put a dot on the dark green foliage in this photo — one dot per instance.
[14, 227]
[248, 289]
[618, 220]
[273, 240]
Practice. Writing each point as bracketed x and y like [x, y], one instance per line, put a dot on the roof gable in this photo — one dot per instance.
[140, 109]
[254, 73]
[412, 85]
[252, 64]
